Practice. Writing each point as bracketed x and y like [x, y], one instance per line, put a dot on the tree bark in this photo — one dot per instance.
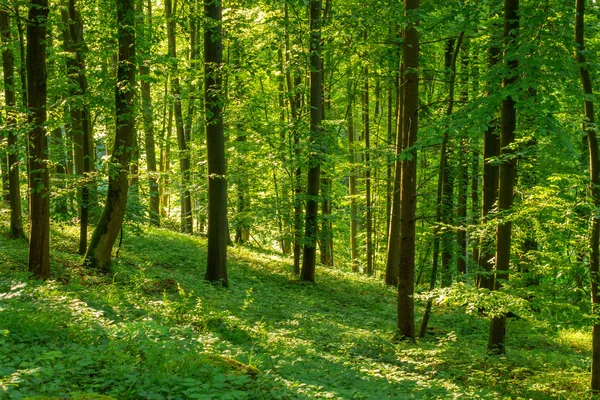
[594, 239]
[366, 122]
[148, 114]
[408, 201]
[393, 247]
[216, 266]
[14, 192]
[508, 122]
[491, 149]
[39, 178]
[187, 223]
[294, 100]
[352, 184]
[77, 45]
[314, 171]
[98, 254]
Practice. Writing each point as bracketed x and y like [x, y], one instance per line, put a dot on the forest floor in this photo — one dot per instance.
[156, 330]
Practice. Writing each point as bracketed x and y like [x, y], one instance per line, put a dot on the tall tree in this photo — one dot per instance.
[408, 201]
[594, 238]
[352, 182]
[187, 221]
[508, 123]
[16, 226]
[147, 115]
[366, 122]
[81, 114]
[98, 254]
[491, 149]
[39, 178]
[393, 246]
[218, 232]
[314, 171]
[292, 83]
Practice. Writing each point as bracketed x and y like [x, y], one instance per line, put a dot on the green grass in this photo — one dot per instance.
[156, 330]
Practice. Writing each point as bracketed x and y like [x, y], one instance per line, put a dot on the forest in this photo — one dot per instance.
[297, 199]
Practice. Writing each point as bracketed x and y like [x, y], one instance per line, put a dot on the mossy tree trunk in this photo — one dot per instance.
[98, 254]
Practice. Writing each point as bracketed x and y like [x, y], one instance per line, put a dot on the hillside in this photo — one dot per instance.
[155, 330]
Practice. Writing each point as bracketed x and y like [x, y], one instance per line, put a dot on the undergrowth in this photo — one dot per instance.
[156, 330]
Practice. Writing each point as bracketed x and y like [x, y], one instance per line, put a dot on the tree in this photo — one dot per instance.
[314, 171]
[147, 115]
[39, 178]
[408, 200]
[216, 265]
[14, 192]
[508, 122]
[590, 132]
[98, 254]
[187, 220]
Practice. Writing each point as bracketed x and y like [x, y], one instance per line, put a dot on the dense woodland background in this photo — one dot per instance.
[437, 160]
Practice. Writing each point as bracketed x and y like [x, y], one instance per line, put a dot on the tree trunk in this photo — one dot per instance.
[314, 171]
[508, 122]
[77, 45]
[491, 148]
[294, 100]
[22, 69]
[148, 115]
[14, 192]
[393, 247]
[165, 156]
[187, 223]
[98, 254]
[366, 122]
[218, 232]
[408, 200]
[352, 184]
[39, 178]
[594, 239]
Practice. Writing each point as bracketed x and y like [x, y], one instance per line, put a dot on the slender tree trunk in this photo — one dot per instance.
[366, 122]
[4, 168]
[148, 115]
[491, 149]
[22, 69]
[475, 208]
[218, 232]
[352, 184]
[165, 155]
[39, 178]
[393, 247]
[594, 239]
[84, 132]
[98, 254]
[16, 226]
[508, 122]
[314, 171]
[294, 100]
[187, 223]
[463, 174]
[408, 201]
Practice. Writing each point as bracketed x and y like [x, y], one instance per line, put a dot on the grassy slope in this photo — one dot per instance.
[157, 331]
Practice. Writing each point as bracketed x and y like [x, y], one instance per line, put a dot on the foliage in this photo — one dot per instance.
[156, 331]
